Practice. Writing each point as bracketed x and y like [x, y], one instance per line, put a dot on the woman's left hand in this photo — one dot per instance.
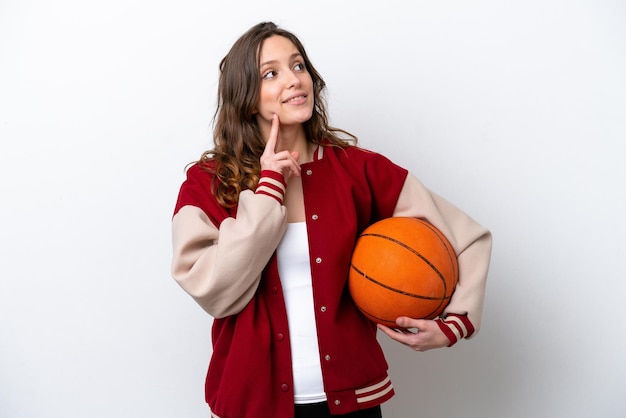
[419, 334]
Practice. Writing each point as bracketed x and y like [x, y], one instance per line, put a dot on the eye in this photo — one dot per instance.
[268, 75]
[299, 67]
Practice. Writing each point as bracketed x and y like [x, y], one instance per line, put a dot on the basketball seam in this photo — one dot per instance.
[418, 254]
[445, 243]
[372, 316]
[393, 289]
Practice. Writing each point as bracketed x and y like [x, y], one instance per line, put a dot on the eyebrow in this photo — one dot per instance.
[294, 55]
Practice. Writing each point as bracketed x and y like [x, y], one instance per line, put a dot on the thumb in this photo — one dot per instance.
[406, 322]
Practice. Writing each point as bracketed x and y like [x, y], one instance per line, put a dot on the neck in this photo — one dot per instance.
[295, 140]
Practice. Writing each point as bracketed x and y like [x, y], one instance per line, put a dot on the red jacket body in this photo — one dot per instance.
[250, 372]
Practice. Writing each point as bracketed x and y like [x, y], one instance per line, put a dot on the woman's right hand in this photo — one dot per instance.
[283, 162]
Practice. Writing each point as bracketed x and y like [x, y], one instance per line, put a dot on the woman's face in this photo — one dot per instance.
[286, 85]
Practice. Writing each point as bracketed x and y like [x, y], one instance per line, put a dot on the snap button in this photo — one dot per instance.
[318, 260]
[309, 172]
[337, 401]
[284, 387]
[280, 336]
[327, 357]
[314, 217]
[323, 309]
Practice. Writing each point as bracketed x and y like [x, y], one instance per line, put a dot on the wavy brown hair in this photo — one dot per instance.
[235, 160]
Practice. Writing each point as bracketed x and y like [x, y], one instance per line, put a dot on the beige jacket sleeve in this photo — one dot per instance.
[471, 242]
[221, 268]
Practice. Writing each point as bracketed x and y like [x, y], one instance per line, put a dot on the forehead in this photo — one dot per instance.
[276, 47]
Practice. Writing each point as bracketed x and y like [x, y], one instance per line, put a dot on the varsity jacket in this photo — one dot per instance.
[226, 260]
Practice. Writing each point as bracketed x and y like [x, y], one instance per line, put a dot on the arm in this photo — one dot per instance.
[221, 268]
[472, 245]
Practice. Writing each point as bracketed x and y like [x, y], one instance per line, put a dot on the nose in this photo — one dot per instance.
[293, 79]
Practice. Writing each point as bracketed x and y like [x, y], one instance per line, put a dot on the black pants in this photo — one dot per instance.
[320, 410]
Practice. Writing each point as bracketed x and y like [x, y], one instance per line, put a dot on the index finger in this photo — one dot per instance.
[272, 141]
[397, 335]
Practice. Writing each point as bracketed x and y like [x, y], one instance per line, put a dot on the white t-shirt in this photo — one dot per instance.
[295, 276]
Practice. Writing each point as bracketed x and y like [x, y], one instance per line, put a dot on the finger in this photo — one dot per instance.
[289, 160]
[406, 322]
[393, 334]
[272, 142]
[283, 162]
[295, 155]
[287, 166]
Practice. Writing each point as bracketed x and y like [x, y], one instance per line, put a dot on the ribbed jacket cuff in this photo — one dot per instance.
[272, 184]
[455, 327]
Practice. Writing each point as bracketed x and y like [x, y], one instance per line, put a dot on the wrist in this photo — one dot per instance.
[455, 327]
[272, 183]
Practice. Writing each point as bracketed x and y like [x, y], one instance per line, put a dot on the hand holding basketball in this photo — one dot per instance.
[402, 267]
[428, 335]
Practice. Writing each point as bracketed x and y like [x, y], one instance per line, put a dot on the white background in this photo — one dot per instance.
[514, 111]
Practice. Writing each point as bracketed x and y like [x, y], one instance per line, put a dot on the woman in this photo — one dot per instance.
[263, 231]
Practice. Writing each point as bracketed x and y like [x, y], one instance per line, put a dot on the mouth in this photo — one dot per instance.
[295, 99]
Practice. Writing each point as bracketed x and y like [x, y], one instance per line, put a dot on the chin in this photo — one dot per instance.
[294, 119]
[303, 117]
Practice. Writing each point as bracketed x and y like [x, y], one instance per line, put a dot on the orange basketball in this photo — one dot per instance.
[402, 267]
